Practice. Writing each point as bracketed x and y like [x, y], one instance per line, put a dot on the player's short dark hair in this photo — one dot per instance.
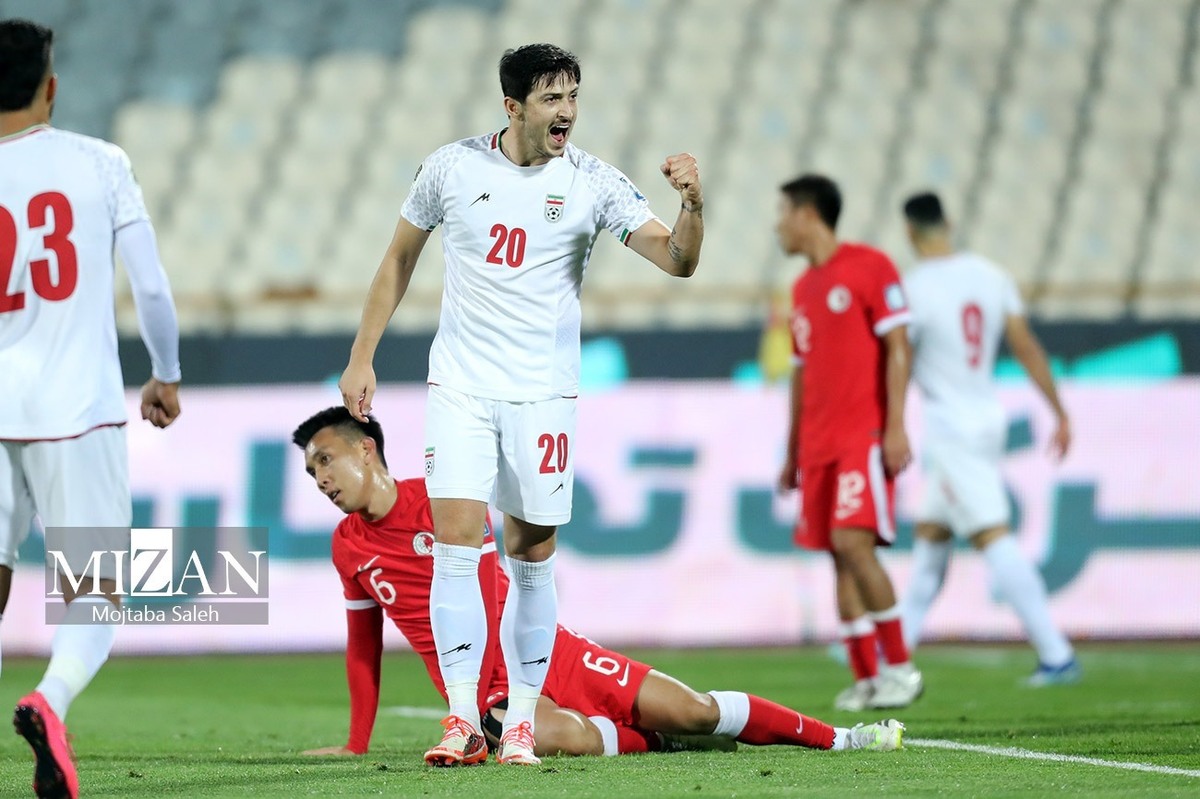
[925, 210]
[339, 417]
[533, 65]
[24, 61]
[818, 191]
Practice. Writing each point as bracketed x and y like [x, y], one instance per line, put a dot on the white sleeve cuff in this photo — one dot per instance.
[890, 323]
[360, 604]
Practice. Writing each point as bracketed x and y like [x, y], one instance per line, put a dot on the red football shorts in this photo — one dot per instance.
[595, 681]
[853, 491]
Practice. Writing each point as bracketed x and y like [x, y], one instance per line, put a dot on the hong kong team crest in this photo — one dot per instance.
[838, 299]
[423, 543]
[554, 207]
[429, 461]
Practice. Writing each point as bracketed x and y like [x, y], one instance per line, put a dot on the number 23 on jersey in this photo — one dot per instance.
[50, 214]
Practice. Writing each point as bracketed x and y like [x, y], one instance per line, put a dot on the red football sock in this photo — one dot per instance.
[770, 723]
[631, 740]
[891, 640]
[864, 655]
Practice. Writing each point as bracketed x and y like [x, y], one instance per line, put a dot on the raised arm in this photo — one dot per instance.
[898, 354]
[1028, 351]
[387, 289]
[676, 251]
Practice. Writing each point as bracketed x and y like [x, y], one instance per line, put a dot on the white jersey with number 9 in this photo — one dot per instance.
[960, 304]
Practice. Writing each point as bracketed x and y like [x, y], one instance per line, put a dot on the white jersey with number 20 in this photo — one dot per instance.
[63, 196]
[516, 242]
[960, 304]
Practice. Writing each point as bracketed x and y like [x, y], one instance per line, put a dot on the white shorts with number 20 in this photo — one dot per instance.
[522, 450]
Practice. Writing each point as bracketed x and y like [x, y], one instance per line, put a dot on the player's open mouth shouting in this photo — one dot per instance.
[559, 132]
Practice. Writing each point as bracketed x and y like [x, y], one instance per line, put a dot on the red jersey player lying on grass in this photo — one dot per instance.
[595, 701]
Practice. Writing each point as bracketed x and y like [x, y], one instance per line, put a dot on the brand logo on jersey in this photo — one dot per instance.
[893, 295]
[418, 172]
[838, 299]
[423, 543]
[485, 197]
[554, 207]
[367, 565]
[429, 461]
[637, 194]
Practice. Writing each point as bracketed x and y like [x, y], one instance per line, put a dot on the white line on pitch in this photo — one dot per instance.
[1012, 751]
[403, 711]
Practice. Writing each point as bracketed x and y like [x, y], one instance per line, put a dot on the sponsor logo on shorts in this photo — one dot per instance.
[838, 299]
[423, 543]
[429, 461]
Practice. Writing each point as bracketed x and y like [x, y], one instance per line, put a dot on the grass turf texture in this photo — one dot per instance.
[234, 726]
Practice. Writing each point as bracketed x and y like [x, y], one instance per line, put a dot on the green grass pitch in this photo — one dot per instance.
[234, 726]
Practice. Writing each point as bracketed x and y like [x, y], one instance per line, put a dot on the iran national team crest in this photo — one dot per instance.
[838, 299]
[429, 461]
[554, 207]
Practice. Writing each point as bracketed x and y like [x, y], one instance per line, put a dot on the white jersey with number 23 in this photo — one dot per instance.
[63, 196]
[516, 242]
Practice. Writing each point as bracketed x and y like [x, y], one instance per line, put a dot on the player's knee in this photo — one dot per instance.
[699, 714]
[569, 736]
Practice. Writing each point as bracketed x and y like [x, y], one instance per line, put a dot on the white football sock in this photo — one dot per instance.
[1022, 587]
[78, 650]
[734, 707]
[608, 734]
[930, 559]
[527, 631]
[459, 621]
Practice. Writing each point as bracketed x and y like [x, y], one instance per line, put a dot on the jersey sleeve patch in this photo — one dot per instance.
[620, 206]
[423, 206]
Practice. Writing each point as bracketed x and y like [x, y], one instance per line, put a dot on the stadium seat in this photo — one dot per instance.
[256, 84]
[1043, 123]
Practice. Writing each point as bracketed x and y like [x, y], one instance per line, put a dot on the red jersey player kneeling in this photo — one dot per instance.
[595, 701]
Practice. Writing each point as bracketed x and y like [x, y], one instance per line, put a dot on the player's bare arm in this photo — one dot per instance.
[1028, 351]
[387, 289]
[676, 251]
[897, 454]
[789, 474]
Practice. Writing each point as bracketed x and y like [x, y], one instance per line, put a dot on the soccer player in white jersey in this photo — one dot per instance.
[65, 201]
[520, 211]
[962, 304]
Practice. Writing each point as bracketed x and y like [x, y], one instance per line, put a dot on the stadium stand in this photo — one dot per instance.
[275, 139]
